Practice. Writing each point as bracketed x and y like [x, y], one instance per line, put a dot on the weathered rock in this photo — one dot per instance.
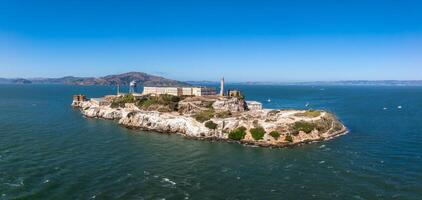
[230, 104]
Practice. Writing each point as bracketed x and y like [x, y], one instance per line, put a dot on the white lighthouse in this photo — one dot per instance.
[222, 87]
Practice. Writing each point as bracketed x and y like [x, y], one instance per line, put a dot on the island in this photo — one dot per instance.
[200, 113]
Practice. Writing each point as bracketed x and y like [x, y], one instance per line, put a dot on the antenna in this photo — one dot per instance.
[222, 87]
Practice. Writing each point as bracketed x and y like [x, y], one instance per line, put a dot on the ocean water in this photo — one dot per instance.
[49, 151]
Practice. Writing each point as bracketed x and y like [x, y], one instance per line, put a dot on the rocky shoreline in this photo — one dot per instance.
[266, 128]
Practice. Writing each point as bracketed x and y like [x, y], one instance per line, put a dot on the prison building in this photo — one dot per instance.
[179, 91]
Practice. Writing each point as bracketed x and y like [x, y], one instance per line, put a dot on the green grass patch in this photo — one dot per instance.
[121, 101]
[304, 126]
[204, 115]
[223, 114]
[309, 113]
[165, 100]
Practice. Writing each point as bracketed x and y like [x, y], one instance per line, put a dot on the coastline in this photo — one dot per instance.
[185, 125]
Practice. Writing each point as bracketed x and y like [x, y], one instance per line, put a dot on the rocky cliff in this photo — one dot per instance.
[263, 127]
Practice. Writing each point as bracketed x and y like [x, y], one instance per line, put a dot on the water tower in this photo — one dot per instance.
[132, 87]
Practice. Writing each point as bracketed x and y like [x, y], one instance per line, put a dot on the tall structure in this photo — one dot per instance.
[222, 87]
[132, 86]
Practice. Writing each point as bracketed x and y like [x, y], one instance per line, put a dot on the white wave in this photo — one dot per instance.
[169, 181]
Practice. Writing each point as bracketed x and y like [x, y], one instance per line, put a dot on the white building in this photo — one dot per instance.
[197, 91]
[176, 91]
[254, 105]
[179, 91]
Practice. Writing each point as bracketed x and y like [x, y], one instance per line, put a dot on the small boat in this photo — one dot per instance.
[269, 100]
[399, 107]
[385, 108]
[307, 104]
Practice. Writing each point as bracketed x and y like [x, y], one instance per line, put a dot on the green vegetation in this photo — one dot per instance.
[324, 124]
[257, 133]
[120, 101]
[211, 125]
[273, 112]
[255, 123]
[304, 126]
[238, 133]
[162, 103]
[223, 114]
[309, 113]
[204, 115]
[166, 100]
[288, 138]
[275, 134]
[208, 104]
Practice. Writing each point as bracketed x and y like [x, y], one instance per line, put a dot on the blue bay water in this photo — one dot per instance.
[49, 151]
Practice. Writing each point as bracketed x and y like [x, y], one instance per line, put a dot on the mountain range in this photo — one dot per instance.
[119, 79]
[152, 80]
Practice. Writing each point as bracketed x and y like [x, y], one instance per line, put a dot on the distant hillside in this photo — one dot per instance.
[121, 79]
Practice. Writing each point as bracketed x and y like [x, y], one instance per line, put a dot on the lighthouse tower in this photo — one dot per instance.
[222, 87]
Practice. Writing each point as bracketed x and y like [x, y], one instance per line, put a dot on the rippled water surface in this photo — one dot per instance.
[49, 151]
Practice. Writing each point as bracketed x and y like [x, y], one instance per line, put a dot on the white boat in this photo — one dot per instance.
[269, 100]
[307, 104]
[399, 107]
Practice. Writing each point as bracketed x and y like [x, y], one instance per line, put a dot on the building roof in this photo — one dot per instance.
[253, 102]
[97, 99]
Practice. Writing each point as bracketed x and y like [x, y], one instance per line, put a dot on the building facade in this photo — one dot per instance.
[254, 105]
[179, 91]
[234, 93]
[176, 91]
[79, 98]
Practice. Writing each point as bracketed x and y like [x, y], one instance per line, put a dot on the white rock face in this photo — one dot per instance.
[269, 120]
[232, 105]
[164, 122]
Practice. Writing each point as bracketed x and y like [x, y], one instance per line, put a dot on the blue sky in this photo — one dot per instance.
[204, 40]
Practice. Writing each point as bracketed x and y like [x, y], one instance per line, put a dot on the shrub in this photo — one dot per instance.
[275, 134]
[238, 133]
[242, 128]
[211, 125]
[204, 115]
[257, 133]
[306, 127]
[288, 138]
